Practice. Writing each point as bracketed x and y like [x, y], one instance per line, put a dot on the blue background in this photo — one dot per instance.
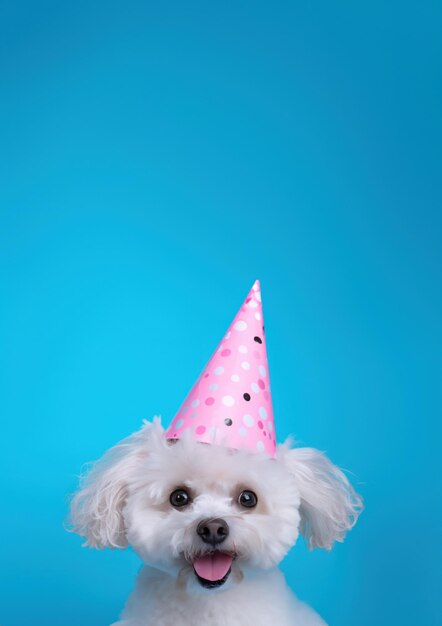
[154, 161]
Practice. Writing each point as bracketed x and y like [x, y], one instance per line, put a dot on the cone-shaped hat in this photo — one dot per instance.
[230, 403]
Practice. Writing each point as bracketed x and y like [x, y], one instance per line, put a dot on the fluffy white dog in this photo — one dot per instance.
[211, 525]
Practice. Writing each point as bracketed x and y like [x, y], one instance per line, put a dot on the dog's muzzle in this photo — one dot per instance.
[213, 568]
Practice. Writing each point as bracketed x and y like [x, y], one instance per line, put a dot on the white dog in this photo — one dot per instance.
[211, 525]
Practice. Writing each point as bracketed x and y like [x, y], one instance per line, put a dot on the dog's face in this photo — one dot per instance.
[209, 515]
[210, 511]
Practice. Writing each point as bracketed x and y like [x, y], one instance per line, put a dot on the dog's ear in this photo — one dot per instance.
[329, 504]
[97, 508]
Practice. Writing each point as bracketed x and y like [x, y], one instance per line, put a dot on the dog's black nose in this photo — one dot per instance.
[213, 531]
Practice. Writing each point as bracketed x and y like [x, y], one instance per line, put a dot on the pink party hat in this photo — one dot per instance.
[230, 403]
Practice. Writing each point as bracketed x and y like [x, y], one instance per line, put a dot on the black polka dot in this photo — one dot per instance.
[228, 421]
[246, 396]
[257, 339]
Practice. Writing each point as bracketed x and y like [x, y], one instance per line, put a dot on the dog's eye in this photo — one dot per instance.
[248, 499]
[179, 498]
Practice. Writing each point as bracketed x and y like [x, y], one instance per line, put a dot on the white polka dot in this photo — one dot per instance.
[245, 365]
[257, 316]
[242, 432]
[227, 336]
[184, 410]
[262, 413]
[262, 371]
[255, 388]
[248, 420]
[179, 423]
[258, 296]
[270, 426]
[260, 446]
[213, 387]
[193, 414]
[240, 325]
[242, 349]
[218, 371]
[228, 400]
[194, 403]
[253, 304]
[235, 378]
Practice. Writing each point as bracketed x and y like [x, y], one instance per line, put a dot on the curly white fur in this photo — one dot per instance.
[124, 499]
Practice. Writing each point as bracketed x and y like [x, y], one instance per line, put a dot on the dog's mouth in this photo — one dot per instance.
[213, 569]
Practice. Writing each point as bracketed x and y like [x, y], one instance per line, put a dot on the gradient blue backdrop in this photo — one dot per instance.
[154, 160]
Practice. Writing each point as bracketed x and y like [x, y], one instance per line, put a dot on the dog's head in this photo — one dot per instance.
[207, 514]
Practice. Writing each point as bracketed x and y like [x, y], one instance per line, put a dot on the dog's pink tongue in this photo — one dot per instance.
[213, 566]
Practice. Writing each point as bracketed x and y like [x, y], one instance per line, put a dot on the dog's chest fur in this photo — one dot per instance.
[264, 600]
